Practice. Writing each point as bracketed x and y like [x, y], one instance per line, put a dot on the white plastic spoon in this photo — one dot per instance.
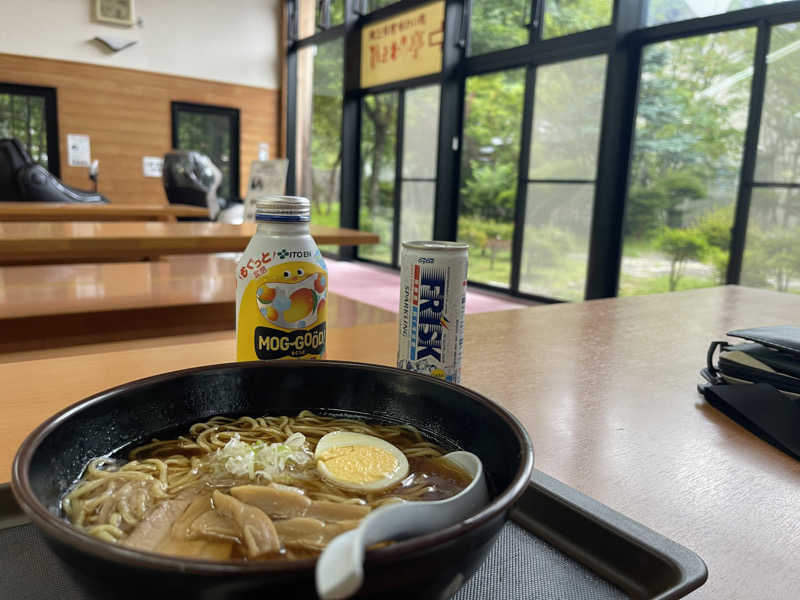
[340, 568]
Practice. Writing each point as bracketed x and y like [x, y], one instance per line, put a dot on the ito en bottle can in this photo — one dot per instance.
[433, 289]
[281, 285]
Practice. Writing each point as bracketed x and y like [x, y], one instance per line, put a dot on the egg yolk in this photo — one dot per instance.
[359, 464]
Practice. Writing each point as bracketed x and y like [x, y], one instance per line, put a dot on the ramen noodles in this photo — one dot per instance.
[257, 488]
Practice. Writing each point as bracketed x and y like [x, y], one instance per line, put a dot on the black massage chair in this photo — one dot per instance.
[190, 177]
[22, 180]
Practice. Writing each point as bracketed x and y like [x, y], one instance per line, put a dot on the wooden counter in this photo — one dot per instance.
[32, 243]
[607, 390]
[57, 211]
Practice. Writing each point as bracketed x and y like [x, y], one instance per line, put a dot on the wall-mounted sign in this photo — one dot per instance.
[79, 151]
[267, 178]
[152, 166]
[408, 45]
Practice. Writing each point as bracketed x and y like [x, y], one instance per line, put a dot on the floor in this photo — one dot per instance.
[380, 286]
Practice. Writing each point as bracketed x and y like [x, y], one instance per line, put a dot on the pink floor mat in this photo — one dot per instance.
[380, 287]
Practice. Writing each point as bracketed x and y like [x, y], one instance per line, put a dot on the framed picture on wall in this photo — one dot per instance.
[118, 12]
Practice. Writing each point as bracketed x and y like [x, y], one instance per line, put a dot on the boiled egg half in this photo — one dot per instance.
[359, 462]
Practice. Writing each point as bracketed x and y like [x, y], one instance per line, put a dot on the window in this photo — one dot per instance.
[687, 155]
[772, 248]
[318, 15]
[335, 13]
[668, 11]
[562, 17]
[489, 163]
[398, 169]
[213, 131]
[772, 253]
[28, 113]
[583, 148]
[319, 130]
[421, 119]
[370, 5]
[378, 173]
[500, 24]
[497, 25]
[567, 111]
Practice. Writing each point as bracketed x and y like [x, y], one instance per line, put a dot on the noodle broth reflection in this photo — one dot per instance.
[257, 488]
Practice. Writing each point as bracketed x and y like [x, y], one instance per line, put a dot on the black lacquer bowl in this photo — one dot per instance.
[429, 566]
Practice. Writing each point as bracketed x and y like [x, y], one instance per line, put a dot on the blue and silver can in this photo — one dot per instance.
[433, 289]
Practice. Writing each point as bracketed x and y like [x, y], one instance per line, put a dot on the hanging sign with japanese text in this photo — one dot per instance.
[408, 45]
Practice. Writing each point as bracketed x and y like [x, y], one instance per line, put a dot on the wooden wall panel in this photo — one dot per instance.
[127, 114]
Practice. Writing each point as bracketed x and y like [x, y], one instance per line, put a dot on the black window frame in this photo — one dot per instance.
[50, 96]
[399, 178]
[763, 19]
[623, 42]
[234, 132]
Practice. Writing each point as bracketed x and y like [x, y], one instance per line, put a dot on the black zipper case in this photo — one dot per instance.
[757, 383]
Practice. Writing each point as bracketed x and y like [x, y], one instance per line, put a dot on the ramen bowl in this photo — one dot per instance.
[434, 565]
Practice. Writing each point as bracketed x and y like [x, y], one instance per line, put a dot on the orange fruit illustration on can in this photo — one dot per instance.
[292, 294]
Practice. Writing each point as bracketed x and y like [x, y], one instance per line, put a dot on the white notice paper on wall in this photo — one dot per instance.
[152, 166]
[267, 178]
[79, 152]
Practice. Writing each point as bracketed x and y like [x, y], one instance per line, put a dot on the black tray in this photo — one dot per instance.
[560, 544]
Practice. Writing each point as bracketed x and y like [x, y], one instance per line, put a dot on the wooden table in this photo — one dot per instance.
[49, 306]
[57, 211]
[32, 243]
[606, 390]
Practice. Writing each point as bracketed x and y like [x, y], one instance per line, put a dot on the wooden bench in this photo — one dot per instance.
[48, 306]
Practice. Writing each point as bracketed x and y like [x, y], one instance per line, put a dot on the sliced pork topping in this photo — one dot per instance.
[303, 533]
[182, 527]
[156, 526]
[256, 529]
[278, 503]
[336, 511]
[205, 549]
[212, 525]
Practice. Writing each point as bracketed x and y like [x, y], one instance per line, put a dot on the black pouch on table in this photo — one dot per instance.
[757, 383]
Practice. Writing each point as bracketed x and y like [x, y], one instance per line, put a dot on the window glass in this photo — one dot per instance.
[668, 11]
[209, 131]
[376, 4]
[772, 248]
[337, 12]
[562, 17]
[420, 131]
[489, 163]
[558, 218]
[23, 117]
[778, 158]
[690, 125]
[497, 25]
[558, 210]
[567, 110]
[378, 144]
[772, 245]
[319, 130]
[416, 221]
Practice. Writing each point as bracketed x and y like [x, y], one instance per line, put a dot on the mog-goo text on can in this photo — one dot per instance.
[433, 289]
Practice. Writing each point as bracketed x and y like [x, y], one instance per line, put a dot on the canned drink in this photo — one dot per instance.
[432, 301]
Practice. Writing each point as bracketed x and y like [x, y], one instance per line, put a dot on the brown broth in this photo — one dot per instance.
[430, 478]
